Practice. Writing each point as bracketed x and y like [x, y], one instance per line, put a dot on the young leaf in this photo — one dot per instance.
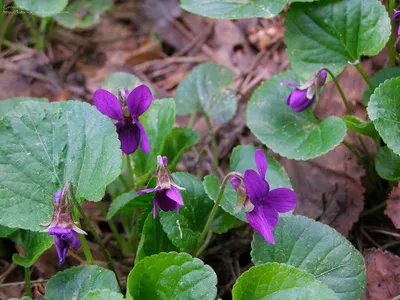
[377, 79]
[184, 229]
[172, 276]
[387, 164]
[42, 147]
[333, 33]
[118, 80]
[42, 8]
[103, 294]
[275, 281]
[83, 13]
[126, 202]
[33, 244]
[11, 104]
[77, 282]
[291, 134]
[360, 126]
[383, 109]
[178, 140]
[153, 239]
[317, 249]
[205, 90]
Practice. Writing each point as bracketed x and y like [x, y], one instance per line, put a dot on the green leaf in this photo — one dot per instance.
[153, 239]
[293, 135]
[205, 89]
[378, 78]
[228, 9]
[33, 244]
[118, 80]
[42, 8]
[11, 104]
[317, 249]
[178, 140]
[223, 222]
[44, 146]
[331, 34]
[77, 282]
[158, 122]
[83, 13]
[184, 229]
[127, 202]
[23, 298]
[6, 231]
[103, 294]
[360, 126]
[275, 281]
[172, 275]
[383, 109]
[387, 164]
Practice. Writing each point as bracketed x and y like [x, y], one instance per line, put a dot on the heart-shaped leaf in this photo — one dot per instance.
[153, 239]
[206, 90]
[228, 9]
[77, 282]
[118, 80]
[46, 145]
[294, 135]
[83, 13]
[172, 276]
[42, 8]
[387, 164]
[33, 244]
[103, 294]
[11, 104]
[275, 281]
[317, 249]
[383, 109]
[333, 33]
[184, 229]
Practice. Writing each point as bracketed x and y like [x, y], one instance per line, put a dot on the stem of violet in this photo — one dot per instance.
[213, 145]
[28, 289]
[365, 76]
[344, 99]
[391, 43]
[86, 249]
[130, 171]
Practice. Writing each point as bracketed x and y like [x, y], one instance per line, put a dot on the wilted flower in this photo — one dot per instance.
[168, 196]
[263, 205]
[134, 104]
[303, 96]
[395, 15]
[62, 226]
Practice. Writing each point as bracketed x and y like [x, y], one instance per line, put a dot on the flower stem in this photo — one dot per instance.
[95, 235]
[365, 76]
[213, 144]
[205, 244]
[211, 217]
[86, 249]
[390, 6]
[339, 88]
[354, 151]
[192, 118]
[42, 34]
[28, 289]
[113, 227]
[130, 170]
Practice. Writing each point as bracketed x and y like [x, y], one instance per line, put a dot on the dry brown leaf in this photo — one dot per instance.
[393, 206]
[383, 275]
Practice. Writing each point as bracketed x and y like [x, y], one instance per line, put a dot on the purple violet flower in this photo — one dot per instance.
[134, 104]
[395, 15]
[304, 95]
[261, 204]
[62, 226]
[168, 196]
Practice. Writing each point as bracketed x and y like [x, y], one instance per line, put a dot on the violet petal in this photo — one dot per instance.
[281, 199]
[139, 100]
[108, 104]
[235, 181]
[175, 195]
[289, 84]
[261, 162]
[396, 14]
[257, 188]
[164, 202]
[57, 196]
[73, 240]
[260, 224]
[145, 191]
[145, 144]
[129, 135]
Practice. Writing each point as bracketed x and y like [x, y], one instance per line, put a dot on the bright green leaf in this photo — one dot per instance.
[206, 90]
[383, 109]
[125, 202]
[378, 78]
[360, 126]
[42, 8]
[317, 249]
[172, 275]
[387, 164]
[103, 294]
[77, 282]
[275, 281]
[293, 135]
[83, 13]
[178, 140]
[333, 33]
[11, 104]
[33, 244]
[118, 80]
[46, 145]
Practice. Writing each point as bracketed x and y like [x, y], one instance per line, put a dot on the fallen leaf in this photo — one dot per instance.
[383, 275]
[393, 206]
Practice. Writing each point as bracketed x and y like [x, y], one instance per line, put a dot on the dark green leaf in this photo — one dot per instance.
[6, 231]
[103, 294]
[127, 202]
[378, 78]
[360, 126]
[387, 164]
[11, 104]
